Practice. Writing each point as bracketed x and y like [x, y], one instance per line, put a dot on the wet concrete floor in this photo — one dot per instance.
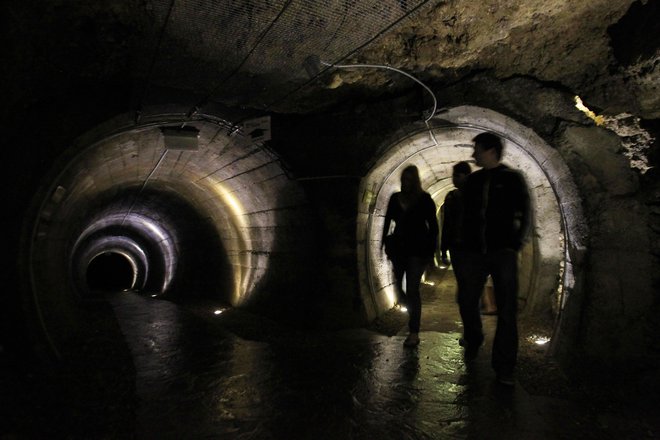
[233, 375]
[197, 379]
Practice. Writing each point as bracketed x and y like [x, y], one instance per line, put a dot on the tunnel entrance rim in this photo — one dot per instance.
[406, 162]
[546, 159]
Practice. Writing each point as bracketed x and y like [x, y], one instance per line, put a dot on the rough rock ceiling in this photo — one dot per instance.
[251, 53]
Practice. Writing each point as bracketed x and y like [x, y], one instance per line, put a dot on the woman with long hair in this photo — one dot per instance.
[412, 244]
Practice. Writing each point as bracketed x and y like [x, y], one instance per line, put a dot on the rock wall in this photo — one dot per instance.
[619, 271]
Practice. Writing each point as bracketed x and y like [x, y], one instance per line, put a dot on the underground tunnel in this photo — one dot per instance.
[125, 212]
[234, 285]
[118, 191]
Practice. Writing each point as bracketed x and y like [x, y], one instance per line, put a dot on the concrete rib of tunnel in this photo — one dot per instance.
[221, 221]
[546, 263]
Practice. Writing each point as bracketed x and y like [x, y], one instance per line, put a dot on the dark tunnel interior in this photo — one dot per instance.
[157, 242]
[110, 272]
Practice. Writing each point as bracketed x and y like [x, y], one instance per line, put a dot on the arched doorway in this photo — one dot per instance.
[546, 270]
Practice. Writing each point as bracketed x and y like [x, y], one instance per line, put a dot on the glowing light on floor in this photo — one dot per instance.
[217, 312]
[538, 340]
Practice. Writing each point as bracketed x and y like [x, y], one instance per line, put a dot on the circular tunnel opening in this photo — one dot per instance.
[171, 246]
[125, 208]
[545, 268]
[111, 272]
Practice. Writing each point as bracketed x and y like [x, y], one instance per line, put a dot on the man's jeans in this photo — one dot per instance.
[502, 266]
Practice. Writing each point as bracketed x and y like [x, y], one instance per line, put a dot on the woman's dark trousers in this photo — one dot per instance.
[413, 268]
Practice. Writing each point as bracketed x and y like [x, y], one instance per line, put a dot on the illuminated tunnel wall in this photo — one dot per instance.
[546, 263]
[220, 222]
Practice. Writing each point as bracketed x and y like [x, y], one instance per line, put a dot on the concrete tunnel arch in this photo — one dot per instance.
[548, 262]
[227, 212]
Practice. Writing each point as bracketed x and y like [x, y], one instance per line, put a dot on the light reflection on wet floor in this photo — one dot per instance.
[196, 379]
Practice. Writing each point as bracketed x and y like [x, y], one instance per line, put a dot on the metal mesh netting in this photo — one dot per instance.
[239, 50]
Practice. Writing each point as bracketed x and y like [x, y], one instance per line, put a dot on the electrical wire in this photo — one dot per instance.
[241, 64]
[382, 66]
[345, 56]
[144, 185]
[263, 35]
[138, 111]
[385, 67]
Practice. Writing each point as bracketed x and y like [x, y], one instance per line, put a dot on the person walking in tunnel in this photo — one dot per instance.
[496, 224]
[451, 213]
[412, 244]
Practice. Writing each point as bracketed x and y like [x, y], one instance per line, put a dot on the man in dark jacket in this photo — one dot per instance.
[496, 222]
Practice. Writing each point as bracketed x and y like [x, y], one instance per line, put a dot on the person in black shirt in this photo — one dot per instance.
[496, 223]
[450, 237]
[452, 213]
[452, 219]
[413, 243]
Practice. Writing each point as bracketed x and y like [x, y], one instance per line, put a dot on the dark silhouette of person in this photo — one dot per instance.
[415, 236]
[496, 224]
[452, 213]
[450, 238]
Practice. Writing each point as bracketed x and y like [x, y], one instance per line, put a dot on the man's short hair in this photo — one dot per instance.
[462, 168]
[488, 141]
